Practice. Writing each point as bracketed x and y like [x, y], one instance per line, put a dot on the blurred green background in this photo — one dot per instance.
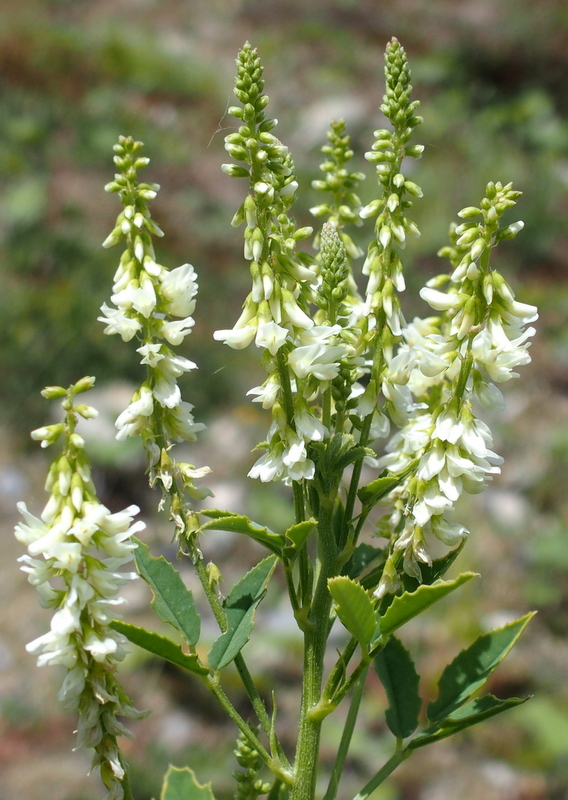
[492, 77]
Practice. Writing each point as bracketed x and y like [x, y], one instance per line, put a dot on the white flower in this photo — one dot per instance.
[490, 397]
[180, 423]
[429, 363]
[447, 427]
[135, 416]
[33, 528]
[268, 467]
[267, 393]
[319, 334]
[100, 649]
[237, 338]
[431, 463]
[309, 426]
[293, 311]
[151, 354]
[380, 426]
[178, 288]
[439, 300]
[296, 459]
[451, 534]
[270, 336]
[166, 391]
[176, 330]
[432, 502]
[493, 350]
[141, 297]
[117, 322]
[319, 360]
[72, 686]
[401, 366]
[66, 555]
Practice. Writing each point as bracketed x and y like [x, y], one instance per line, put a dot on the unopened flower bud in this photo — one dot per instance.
[477, 249]
[235, 171]
[385, 236]
[469, 212]
[53, 392]
[84, 384]
[48, 434]
[87, 412]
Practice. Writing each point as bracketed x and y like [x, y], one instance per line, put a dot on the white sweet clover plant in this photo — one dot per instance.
[349, 384]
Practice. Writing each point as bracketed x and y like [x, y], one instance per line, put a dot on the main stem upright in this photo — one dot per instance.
[315, 641]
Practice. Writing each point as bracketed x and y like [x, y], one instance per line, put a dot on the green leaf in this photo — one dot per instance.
[240, 606]
[354, 608]
[173, 602]
[469, 714]
[367, 564]
[236, 523]
[216, 513]
[471, 668]
[181, 784]
[298, 535]
[409, 604]
[159, 646]
[349, 457]
[370, 494]
[374, 491]
[397, 673]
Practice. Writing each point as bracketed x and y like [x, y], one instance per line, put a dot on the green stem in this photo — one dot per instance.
[346, 737]
[365, 430]
[304, 588]
[252, 692]
[315, 640]
[210, 593]
[355, 478]
[126, 781]
[382, 774]
[272, 763]
[274, 792]
[326, 408]
[246, 677]
[339, 669]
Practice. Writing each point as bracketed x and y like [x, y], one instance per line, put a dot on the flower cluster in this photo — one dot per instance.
[278, 302]
[345, 205]
[75, 551]
[382, 264]
[276, 312]
[155, 304]
[446, 364]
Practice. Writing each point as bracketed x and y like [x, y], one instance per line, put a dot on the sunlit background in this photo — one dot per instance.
[492, 77]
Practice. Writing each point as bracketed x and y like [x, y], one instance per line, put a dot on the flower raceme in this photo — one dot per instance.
[76, 549]
[155, 305]
[475, 343]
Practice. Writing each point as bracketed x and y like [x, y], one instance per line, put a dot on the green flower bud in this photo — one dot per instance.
[84, 384]
[53, 392]
[48, 434]
[511, 230]
[233, 171]
[478, 247]
[85, 411]
[469, 212]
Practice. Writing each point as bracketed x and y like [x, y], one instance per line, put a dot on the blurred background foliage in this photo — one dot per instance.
[491, 76]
